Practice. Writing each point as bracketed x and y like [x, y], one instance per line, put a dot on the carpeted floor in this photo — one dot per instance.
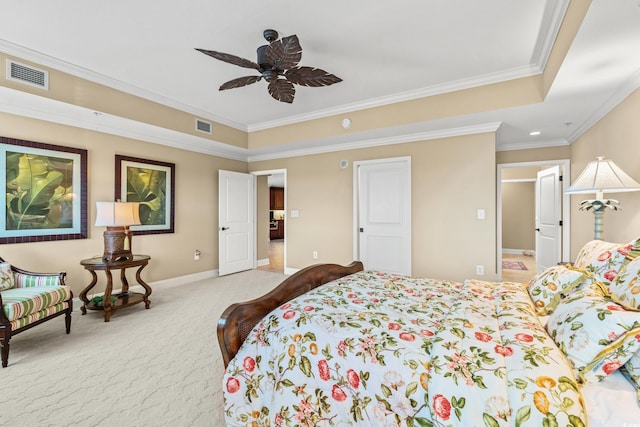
[155, 367]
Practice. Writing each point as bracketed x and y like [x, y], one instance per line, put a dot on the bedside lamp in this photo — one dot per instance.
[117, 217]
[599, 177]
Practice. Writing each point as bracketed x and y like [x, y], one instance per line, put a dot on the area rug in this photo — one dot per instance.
[513, 265]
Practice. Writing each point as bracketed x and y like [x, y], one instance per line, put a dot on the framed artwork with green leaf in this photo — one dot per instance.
[46, 192]
[152, 184]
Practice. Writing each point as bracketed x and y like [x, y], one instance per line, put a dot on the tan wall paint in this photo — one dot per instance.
[451, 178]
[490, 97]
[77, 91]
[518, 215]
[533, 155]
[617, 137]
[196, 213]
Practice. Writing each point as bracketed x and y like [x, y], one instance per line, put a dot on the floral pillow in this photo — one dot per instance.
[631, 371]
[625, 289]
[6, 276]
[604, 259]
[597, 335]
[547, 288]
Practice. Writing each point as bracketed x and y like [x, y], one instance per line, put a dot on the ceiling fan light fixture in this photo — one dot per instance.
[277, 64]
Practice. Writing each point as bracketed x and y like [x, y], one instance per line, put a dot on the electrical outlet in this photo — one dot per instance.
[196, 255]
[479, 270]
[315, 254]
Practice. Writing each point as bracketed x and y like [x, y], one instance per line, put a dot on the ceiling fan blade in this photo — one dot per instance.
[282, 90]
[285, 53]
[239, 82]
[309, 76]
[231, 59]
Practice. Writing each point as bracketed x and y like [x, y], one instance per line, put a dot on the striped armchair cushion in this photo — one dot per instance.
[22, 302]
[29, 281]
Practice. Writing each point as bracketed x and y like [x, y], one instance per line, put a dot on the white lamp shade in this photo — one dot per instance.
[603, 176]
[117, 213]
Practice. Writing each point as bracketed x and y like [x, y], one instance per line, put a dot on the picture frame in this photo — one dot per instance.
[152, 184]
[46, 192]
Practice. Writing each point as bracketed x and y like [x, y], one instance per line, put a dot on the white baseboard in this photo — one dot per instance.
[514, 251]
[263, 262]
[290, 271]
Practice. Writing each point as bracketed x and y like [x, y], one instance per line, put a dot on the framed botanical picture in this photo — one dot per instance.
[46, 192]
[152, 184]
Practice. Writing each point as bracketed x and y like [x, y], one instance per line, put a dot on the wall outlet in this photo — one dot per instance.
[479, 270]
[196, 255]
[315, 254]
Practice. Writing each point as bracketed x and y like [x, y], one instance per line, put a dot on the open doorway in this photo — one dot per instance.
[271, 226]
[518, 218]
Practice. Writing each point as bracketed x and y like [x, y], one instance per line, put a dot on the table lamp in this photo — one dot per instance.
[599, 177]
[117, 217]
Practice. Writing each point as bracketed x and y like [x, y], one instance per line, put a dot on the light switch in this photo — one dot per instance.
[480, 214]
[295, 213]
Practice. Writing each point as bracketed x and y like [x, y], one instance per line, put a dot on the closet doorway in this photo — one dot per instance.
[518, 220]
[272, 226]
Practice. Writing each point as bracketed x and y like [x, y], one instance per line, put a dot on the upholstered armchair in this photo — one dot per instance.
[28, 299]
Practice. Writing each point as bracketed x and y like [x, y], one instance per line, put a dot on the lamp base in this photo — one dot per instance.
[117, 244]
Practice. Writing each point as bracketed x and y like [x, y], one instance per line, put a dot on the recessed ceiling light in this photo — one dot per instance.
[534, 133]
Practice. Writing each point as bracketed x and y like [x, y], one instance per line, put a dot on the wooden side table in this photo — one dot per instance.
[124, 298]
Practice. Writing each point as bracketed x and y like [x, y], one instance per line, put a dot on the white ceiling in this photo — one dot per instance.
[384, 52]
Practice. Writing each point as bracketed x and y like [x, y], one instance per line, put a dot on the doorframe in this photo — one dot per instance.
[284, 250]
[565, 168]
[356, 202]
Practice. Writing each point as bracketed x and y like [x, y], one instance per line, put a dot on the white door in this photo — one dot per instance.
[548, 218]
[236, 213]
[383, 225]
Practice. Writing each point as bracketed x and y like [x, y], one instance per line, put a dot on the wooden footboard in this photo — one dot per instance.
[238, 319]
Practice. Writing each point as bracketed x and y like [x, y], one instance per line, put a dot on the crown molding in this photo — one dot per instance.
[627, 88]
[376, 142]
[49, 61]
[41, 108]
[551, 22]
[525, 145]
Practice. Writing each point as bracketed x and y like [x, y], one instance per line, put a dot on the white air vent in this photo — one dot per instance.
[202, 126]
[25, 74]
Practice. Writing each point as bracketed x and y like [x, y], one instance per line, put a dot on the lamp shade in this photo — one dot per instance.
[117, 213]
[603, 176]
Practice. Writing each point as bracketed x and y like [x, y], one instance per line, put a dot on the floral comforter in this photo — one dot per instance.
[374, 349]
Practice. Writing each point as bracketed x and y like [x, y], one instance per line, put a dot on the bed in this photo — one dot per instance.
[337, 346]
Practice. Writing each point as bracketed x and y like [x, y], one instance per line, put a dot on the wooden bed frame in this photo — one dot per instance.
[238, 319]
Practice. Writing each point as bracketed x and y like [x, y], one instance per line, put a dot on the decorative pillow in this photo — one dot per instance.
[604, 259]
[547, 288]
[6, 276]
[625, 289]
[597, 335]
[631, 371]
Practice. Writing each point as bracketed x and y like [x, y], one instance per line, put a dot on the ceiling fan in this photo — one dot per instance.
[278, 64]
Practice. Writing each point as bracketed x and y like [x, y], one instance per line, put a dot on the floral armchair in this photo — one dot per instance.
[28, 299]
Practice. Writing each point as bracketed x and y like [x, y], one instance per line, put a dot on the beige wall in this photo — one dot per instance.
[617, 137]
[77, 91]
[196, 215]
[518, 215]
[451, 178]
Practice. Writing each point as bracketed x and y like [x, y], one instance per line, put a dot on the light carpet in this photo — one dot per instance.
[153, 367]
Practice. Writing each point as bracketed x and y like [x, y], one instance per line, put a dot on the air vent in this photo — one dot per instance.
[202, 126]
[24, 74]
